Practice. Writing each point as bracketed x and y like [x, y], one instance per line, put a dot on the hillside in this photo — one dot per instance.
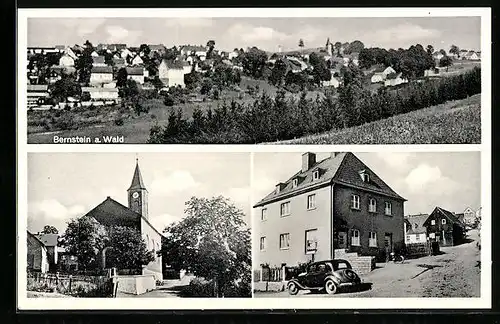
[454, 122]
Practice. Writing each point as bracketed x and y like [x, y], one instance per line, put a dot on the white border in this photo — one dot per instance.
[23, 148]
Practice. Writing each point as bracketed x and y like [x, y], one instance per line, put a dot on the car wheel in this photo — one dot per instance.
[330, 287]
[293, 289]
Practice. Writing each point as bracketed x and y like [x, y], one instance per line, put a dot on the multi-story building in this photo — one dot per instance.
[338, 203]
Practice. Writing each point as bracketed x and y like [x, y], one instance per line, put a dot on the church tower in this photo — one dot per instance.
[138, 194]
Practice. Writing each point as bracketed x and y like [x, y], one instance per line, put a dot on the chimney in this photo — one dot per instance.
[280, 186]
[308, 160]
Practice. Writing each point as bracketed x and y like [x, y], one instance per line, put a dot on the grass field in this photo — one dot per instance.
[135, 129]
[454, 122]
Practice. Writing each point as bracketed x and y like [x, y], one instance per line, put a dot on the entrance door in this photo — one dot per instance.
[388, 242]
[342, 243]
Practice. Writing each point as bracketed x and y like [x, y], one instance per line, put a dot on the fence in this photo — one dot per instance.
[74, 285]
[274, 274]
[415, 250]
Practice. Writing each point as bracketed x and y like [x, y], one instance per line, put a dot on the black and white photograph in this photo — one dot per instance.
[156, 225]
[250, 80]
[382, 224]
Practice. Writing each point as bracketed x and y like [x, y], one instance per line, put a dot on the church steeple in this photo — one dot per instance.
[137, 193]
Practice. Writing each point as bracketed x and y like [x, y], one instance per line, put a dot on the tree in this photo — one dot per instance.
[128, 249]
[430, 49]
[354, 47]
[455, 50]
[442, 52]
[85, 238]
[301, 44]
[121, 77]
[337, 46]
[66, 87]
[84, 64]
[171, 54]
[211, 46]
[212, 242]
[278, 73]
[49, 229]
[446, 61]
[320, 70]
[253, 62]
[144, 50]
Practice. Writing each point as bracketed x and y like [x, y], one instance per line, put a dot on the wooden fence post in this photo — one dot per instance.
[70, 277]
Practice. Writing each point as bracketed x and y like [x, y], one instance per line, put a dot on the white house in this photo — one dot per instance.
[333, 82]
[98, 61]
[102, 94]
[471, 55]
[415, 231]
[101, 74]
[94, 54]
[394, 79]
[66, 60]
[380, 74]
[137, 60]
[136, 74]
[125, 53]
[233, 54]
[171, 73]
[71, 53]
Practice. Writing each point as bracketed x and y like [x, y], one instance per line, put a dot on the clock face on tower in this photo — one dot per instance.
[135, 195]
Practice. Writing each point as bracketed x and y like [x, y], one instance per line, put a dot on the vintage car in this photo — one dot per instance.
[330, 276]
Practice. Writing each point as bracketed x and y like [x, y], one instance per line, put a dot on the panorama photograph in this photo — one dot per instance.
[310, 80]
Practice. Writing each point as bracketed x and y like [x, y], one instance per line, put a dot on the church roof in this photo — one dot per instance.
[48, 239]
[137, 182]
[110, 213]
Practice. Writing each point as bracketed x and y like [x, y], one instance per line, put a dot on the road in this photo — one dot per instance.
[453, 273]
[170, 289]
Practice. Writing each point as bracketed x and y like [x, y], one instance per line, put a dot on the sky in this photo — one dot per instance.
[265, 33]
[62, 186]
[450, 180]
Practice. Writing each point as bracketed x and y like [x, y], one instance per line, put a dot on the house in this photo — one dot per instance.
[198, 51]
[326, 209]
[110, 213]
[102, 94]
[234, 54]
[101, 74]
[98, 61]
[431, 72]
[71, 53]
[471, 55]
[137, 60]
[462, 53]
[119, 63]
[415, 231]
[67, 60]
[333, 82]
[160, 49]
[37, 254]
[51, 243]
[353, 57]
[437, 55]
[94, 54]
[125, 53]
[171, 73]
[136, 74]
[444, 227]
[394, 79]
[469, 217]
[60, 48]
[380, 73]
[37, 93]
[298, 63]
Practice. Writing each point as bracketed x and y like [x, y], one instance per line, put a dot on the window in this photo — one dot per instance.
[415, 225]
[285, 209]
[263, 243]
[417, 237]
[355, 202]
[263, 214]
[311, 241]
[407, 238]
[372, 239]
[284, 241]
[311, 201]
[355, 237]
[364, 176]
[295, 182]
[388, 208]
[433, 222]
[316, 175]
[372, 205]
[443, 221]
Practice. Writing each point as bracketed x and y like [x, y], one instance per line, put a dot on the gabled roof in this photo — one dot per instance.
[135, 70]
[451, 217]
[419, 220]
[102, 69]
[37, 87]
[178, 65]
[118, 60]
[193, 48]
[36, 238]
[98, 59]
[110, 212]
[392, 76]
[341, 169]
[48, 239]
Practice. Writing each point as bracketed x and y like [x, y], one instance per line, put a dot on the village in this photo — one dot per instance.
[337, 208]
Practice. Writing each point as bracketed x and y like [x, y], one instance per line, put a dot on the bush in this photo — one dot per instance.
[169, 101]
[119, 121]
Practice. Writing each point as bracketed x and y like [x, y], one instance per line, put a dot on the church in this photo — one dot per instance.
[110, 212]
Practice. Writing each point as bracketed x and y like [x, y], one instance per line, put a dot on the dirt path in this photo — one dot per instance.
[454, 273]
